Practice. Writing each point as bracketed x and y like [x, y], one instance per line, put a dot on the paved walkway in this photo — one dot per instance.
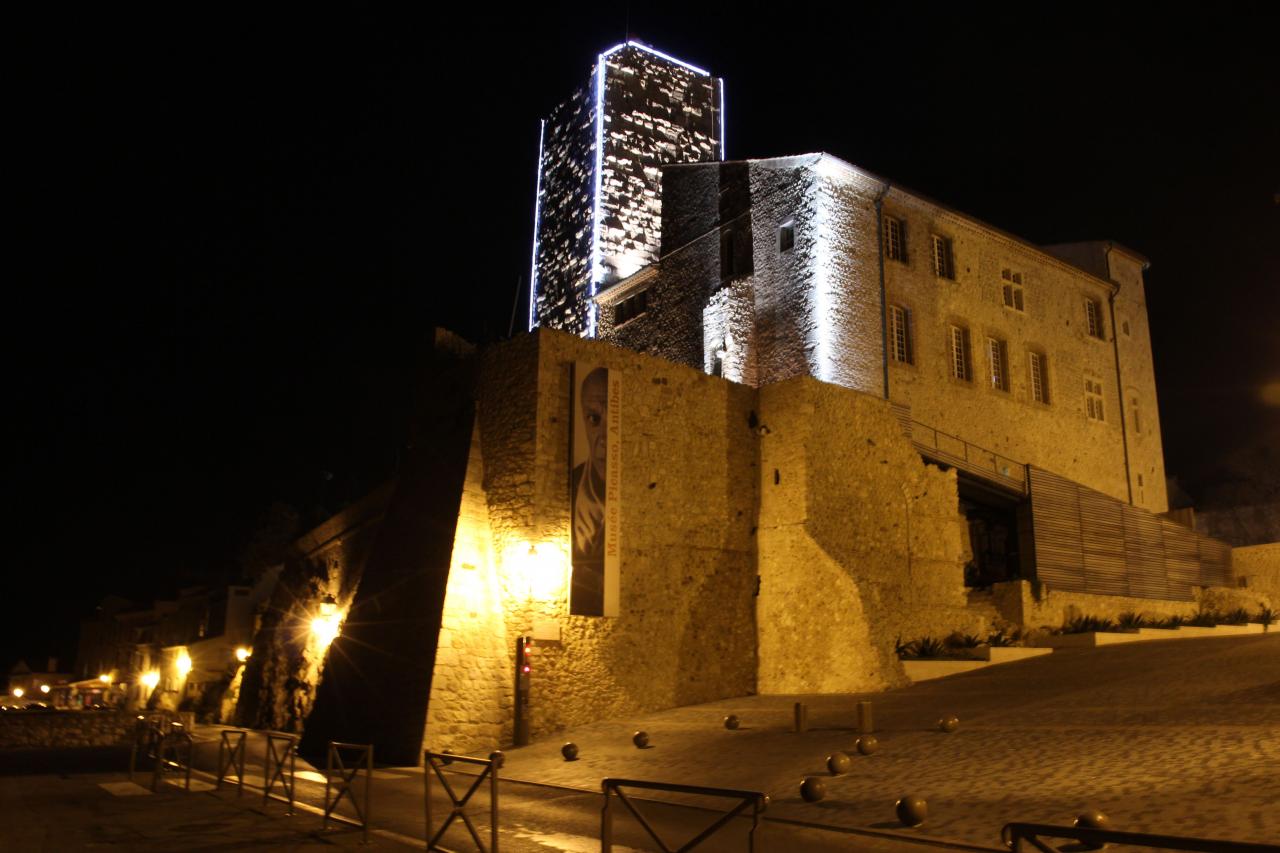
[1178, 737]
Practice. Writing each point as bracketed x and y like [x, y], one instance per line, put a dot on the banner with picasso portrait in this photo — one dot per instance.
[595, 493]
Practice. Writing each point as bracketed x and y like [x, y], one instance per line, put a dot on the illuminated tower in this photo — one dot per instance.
[599, 203]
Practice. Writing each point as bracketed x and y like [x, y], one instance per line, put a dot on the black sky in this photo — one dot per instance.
[232, 234]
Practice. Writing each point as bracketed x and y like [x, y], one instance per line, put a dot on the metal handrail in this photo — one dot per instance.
[147, 733]
[273, 767]
[232, 757]
[435, 762]
[1012, 470]
[757, 800]
[169, 745]
[1033, 834]
[341, 777]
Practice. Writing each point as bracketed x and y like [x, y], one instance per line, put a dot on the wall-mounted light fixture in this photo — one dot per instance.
[44, 688]
[327, 624]
[243, 653]
[182, 663]
[150, 680]
[104, 678]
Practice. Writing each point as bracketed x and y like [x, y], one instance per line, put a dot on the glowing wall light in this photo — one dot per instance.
[722, 148]
[243, 654]
[538, 571]
[182, 663]
[150, 680]
[44, 688]
[18, 693]
[104, 678]
[326, 625]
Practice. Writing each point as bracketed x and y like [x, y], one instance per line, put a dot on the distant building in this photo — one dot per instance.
[599, 205]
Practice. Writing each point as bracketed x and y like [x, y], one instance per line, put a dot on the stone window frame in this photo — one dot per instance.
[635, 305]
[1038, 385]
[786, 236]
[901, 343]
[959, 353]
[944, 258]
[1094, 408]
[1013, 291]
[998, 374]
[895, 238]
[1093, 323]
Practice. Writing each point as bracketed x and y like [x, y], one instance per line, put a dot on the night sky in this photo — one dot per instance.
[233, 235]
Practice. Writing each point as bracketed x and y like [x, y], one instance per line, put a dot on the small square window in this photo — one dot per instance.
[631, 307]
[786, 236]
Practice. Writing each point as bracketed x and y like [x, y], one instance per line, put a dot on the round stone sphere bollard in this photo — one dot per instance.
[911, 810]
[732, 722]
[813, 789]
[1092, 819]
[641, 740]
[569, 751]
[838, 763]
[949, 723]
[867, 744]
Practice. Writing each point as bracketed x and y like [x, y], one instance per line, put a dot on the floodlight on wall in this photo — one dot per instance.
[182, 663]
[243, 653]
[150, 680]
[538, 570]
[18, 693]
[104, 678]
[44, 688]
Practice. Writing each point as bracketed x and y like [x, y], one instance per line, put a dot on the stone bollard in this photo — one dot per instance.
[801, 723]
[865, 723]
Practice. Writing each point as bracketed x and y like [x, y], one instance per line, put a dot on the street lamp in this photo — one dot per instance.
[150, 680]
[104, 678]
[44, 688]
[243, 654]
[18, 692]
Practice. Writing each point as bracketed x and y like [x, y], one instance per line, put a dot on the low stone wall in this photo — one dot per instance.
[1259, 566]
[48, 729]
[1041, 606]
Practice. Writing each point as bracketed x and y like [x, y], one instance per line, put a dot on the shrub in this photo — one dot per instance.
[1169, 622]
[1239, 616]
[1205, 619]
[929, 647]
[1005, 637]
[1130, 621]
[963, 641]
[1087, 624]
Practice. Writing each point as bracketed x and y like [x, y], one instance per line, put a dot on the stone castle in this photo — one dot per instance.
[839, 415]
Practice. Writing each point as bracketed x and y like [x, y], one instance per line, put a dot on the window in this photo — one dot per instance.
[943, 263]
[1137, 421]
[631, 307]
[786, 236]
[998, 353]
[1093, 400]
[1125, 328]
[959, 345]
[1093, 317]
[1038, 369]
[900, 334]
[895, 239]
[1013, 296]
